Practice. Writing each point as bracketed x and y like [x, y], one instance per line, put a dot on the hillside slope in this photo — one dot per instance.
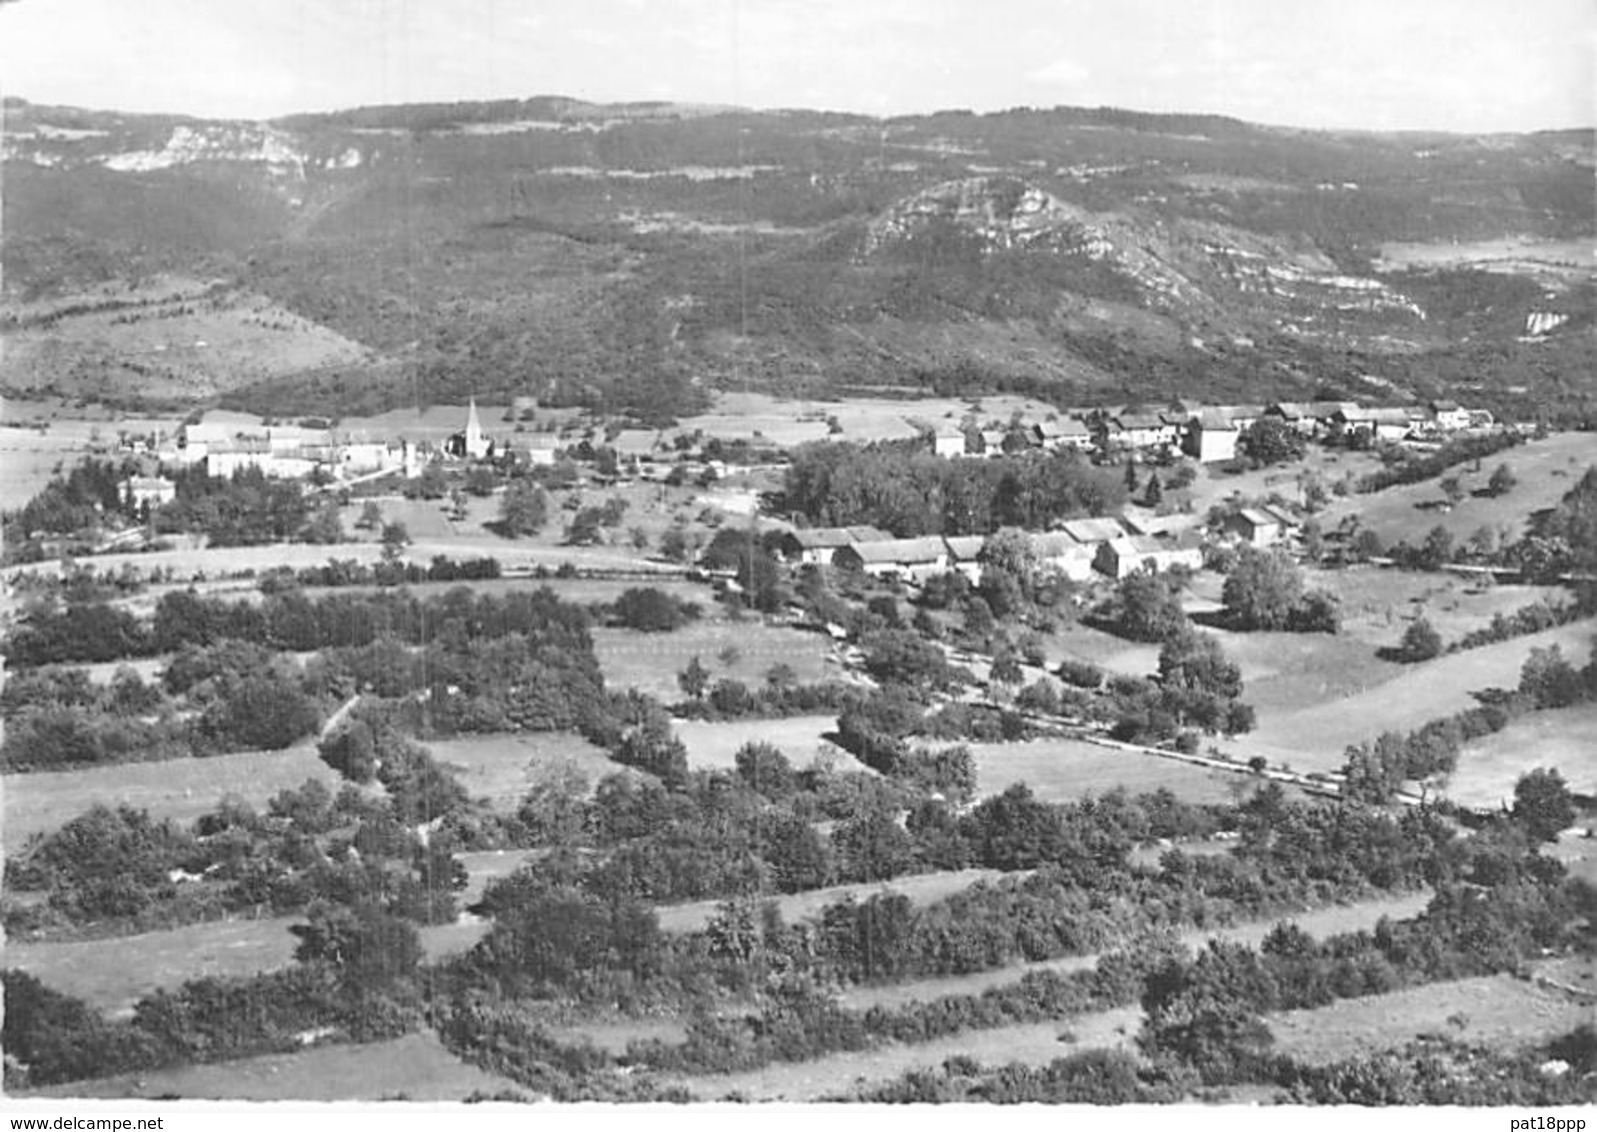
[635, 257]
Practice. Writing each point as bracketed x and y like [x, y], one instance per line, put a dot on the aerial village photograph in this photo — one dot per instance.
[788, 552]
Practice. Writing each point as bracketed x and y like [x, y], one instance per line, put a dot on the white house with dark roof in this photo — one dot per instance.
[1066, 433]
[948, 441]
[1212, 437]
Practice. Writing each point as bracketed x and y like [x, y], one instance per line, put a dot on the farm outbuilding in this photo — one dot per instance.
[964, 555]
[1058, 551]
[1123, 556]
[912, 559]
[815, 546]
[1260, 526]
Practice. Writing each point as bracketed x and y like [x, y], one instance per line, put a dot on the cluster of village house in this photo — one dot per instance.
[1206, 433]
[1210, 433]
[296, 452]
[1077, 549]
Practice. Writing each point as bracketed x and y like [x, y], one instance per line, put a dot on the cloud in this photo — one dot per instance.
[1061, 72]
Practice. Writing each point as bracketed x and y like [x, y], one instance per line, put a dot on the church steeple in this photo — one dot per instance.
[475, 446]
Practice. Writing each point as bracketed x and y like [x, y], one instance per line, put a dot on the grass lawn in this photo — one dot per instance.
[1316, 736]
[1062, 770]
[1546, 469]
[1564, 740]
[922, 889]
[503, 767]
[650, 662]
[1499, 1011]
[415, 1067]
[181, 789]
[715, 745]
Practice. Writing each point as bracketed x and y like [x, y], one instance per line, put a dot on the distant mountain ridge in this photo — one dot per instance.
[636, 256]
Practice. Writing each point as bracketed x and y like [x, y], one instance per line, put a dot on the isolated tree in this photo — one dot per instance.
[524, 508]
[585, 527]
[481, 481]
[1502, 481]
[1270, 441]
[1262, 590]
[1453, 488]
[649, 610]
[676, 545]
[1148, 607]
[1006, 669]
[1548, 678]
[1543, 804]
[1437, 550]
[766, 769]
[325, 527]
[395, 539]
[369, 949]
[694, 679]
[1154, 495]
[371, 516]
[1421, 641]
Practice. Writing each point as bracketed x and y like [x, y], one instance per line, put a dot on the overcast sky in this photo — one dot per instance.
[1470, 65]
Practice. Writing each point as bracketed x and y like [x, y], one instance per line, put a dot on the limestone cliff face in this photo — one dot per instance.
[278, 152]
[1190, 269]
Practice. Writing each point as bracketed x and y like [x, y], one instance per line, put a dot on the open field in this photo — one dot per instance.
[1033, 1043]
[223, 561]
[1377, 603]
[1285, 672]
[1062, 770]
[489, 864]
[861, 419]
[650, 662]
[714, 745]
[1328, 464]
[168, 338]
[1315, 737]
[1109, 652]
[1546, 469]
[921, 889]
[1564, 740]
[503, 767]
[28, 456]
[1513, 254]
[1499, 1010]
[1317, 922]
[181, 789]
[112, 974]
[415, 1067]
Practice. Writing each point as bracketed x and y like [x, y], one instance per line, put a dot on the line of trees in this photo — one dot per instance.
[902, 488]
